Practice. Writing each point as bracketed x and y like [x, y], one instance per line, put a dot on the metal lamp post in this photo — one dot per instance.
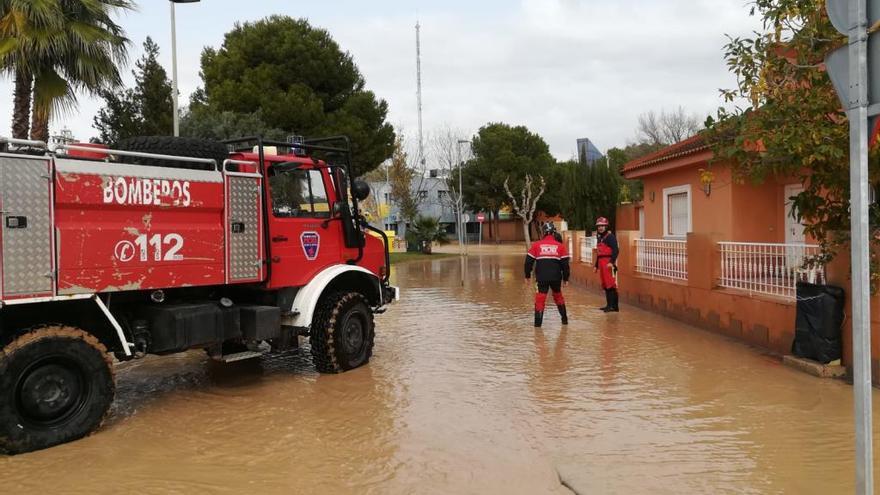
[174, 65]
[463, 236]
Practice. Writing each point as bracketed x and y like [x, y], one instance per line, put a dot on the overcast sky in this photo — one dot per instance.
[564, 68]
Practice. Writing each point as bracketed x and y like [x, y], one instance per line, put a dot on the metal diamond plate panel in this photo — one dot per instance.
[27, 242]
[244, 247]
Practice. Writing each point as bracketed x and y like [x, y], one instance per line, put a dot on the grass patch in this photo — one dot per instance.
[405, 257]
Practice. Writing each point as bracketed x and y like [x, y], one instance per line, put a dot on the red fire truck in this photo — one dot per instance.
[168, 244]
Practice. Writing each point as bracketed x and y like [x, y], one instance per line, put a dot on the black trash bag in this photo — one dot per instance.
[818, 322]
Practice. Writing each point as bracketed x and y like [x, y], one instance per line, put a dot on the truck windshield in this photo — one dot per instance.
[298, 193]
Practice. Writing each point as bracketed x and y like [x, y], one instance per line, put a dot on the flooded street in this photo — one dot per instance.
[463, 395]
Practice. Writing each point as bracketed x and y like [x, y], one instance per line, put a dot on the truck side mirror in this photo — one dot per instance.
[360, 190]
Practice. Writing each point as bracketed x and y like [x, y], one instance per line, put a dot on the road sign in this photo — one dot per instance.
[481, 217]
[838, 12]
[465, 218]
[837, 65]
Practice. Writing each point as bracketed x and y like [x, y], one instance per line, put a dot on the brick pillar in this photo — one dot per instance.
[837, 273]
[704, 260]
[626, 262]
[575, 246]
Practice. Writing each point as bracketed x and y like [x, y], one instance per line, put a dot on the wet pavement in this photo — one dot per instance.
[463, 395]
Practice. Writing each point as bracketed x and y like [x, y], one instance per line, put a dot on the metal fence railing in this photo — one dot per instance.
[772, 269]
[662, 258]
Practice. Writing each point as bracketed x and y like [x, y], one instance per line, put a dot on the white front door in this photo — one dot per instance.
[794, 230]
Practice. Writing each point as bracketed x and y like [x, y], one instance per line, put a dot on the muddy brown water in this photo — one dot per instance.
[464, 396]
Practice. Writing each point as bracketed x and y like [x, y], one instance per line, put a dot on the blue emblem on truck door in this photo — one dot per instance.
[311, 243]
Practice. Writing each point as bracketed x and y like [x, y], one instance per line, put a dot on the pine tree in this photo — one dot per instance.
[145, 110]
[153, 91]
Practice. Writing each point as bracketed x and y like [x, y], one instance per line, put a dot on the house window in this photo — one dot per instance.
[677, 220]
[387, 198]
[442, 195]
[423, 195]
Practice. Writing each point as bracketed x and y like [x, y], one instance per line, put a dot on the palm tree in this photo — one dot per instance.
[54, 48]
[425, 231]
[24, 30]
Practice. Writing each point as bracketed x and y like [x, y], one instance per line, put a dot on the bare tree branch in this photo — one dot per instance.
[667, 128]
[449, 154]
[526, 209]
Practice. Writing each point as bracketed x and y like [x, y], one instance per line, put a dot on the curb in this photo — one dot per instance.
[815, 368]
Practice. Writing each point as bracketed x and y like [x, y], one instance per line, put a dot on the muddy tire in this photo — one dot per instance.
[56, 385]
[174, 146]
[342, 332]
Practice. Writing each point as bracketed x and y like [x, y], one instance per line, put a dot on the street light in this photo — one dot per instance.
[463, 236]
[174, 65]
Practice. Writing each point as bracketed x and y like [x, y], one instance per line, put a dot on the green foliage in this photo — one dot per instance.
[146, 110]
[153, 89]
[795, 125]
[502, 151]
[589, 192]
[302, 83]
[630, 190]
[426, 230]
[55, 49]
[203, 122]
[401, 176]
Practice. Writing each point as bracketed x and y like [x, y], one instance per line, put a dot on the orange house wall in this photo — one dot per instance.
[763, 220]
[764, 210]
[509, 231]
[627, 217]
[760, 321]
[711, 213]
[735, 212]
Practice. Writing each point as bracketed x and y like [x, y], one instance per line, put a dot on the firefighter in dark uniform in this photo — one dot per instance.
[550, 260]
[607, 251]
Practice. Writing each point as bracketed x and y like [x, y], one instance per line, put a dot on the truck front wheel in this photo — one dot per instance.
[56, 385]
[342, 332]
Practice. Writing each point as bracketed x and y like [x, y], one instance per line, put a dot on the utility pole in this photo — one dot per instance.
[419, 92]
[461, 227]
[851, 68]
[861, 267]
[174, 73]
[458, 202]
[174, 92]
[387, 193]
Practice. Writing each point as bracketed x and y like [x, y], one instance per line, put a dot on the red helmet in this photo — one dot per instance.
[601, 221]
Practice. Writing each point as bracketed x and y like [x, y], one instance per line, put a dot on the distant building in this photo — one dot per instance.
[587, 151]
[434, 201]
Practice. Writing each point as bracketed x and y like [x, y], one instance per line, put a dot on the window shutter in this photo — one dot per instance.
[677, 209]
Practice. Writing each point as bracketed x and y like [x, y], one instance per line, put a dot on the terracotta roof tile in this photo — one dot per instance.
[683, 148]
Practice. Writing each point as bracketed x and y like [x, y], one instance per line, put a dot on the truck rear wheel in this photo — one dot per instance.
[56, 385]
[342, 332]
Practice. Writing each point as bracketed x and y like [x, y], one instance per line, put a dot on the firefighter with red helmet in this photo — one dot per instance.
[550, 261]
[607, 251]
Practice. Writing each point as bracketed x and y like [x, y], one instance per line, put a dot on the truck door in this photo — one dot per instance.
[303, 239]
[28, 262]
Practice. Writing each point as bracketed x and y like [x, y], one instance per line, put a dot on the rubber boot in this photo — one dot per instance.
[539, 318]
[613, 300]
[563, 313]
[607, 300]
